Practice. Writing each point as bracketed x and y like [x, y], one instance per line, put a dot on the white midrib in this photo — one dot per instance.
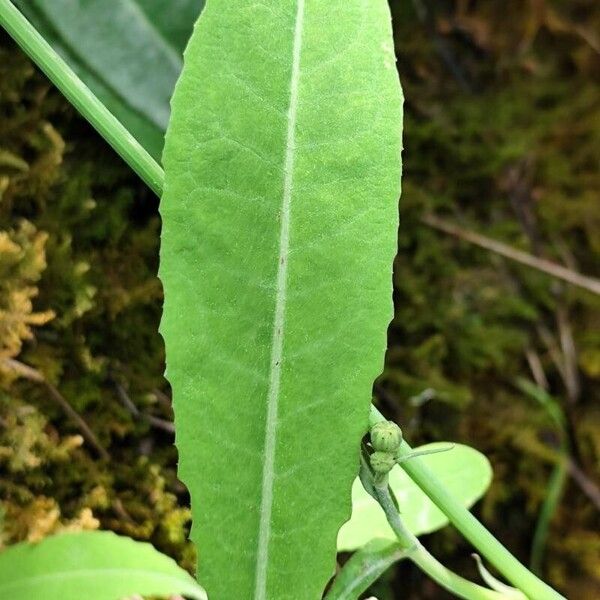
[266, 505]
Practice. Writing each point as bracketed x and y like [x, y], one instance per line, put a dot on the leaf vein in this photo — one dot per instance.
[260, 592]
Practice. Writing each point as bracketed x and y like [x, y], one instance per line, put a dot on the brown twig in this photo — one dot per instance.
[135, 411]
[587, 486]
[552, 348]
[34, 375]
[163, 399]
[118, 507]
[590, 284]
[536, 368]
[569, 352]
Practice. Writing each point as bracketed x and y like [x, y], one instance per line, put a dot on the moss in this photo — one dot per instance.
[79, 304]
[510, 155]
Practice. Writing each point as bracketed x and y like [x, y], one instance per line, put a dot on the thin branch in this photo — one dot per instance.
[587, 486]
[135, 411]
[34, 375]
[537, 370]
[552, 348]
[569, 352]
[585, 282]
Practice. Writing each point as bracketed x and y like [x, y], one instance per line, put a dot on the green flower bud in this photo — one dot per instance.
[386, 436]
[382, 462]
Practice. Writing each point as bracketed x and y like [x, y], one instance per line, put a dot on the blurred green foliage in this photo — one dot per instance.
[502, 137]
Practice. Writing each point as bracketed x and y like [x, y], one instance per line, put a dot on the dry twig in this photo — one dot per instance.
[590, 284]
[34, 375]
[135, 411]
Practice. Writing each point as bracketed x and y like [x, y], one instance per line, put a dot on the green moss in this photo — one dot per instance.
[80, 304]
[512, 159]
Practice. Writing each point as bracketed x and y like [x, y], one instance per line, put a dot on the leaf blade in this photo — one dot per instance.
[106, 566]
[227, 163]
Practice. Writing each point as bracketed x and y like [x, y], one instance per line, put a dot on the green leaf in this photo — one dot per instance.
[174, 19]
[282, 165]
[463, 471]
[95, 565]
[364, 568]
[128, 55]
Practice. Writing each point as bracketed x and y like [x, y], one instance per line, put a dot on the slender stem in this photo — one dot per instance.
[416, 552]
[82, 98]
[557, 482]
[471, 528]
[34, 375]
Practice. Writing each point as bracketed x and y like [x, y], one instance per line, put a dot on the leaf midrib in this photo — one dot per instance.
[270, 439]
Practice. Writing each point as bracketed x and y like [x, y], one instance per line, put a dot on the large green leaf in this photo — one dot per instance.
[463, 471]
[127, 51]
[282, 165]
[95, 565]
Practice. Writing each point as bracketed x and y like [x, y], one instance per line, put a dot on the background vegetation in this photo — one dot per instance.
[502, 137]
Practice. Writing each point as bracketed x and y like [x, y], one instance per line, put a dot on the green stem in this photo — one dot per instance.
[416, 552]
[80, 96]
[470, 527]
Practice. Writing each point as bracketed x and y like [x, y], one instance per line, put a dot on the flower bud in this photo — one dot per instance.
[386, 436]
[382, 462]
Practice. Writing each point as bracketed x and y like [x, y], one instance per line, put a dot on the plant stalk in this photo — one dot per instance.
[470, 527]
[80, 96]
[417, 553]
